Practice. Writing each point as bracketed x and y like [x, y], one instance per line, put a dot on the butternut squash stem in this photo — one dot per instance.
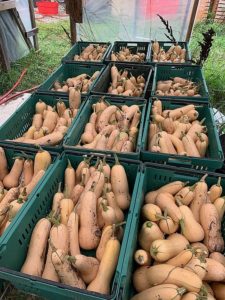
[20, 200]
[116, 159]
[180, 291]
[25, 155]
[59, 187]
[69, 164]
[219, 182]
[203, 178]
[149, 224]
[179, 203]
[202, 121]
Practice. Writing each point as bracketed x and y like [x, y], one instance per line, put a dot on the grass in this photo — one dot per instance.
[214, 66]
[53, 43]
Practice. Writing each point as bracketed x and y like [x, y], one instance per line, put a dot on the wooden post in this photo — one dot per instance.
[73, 31]
[3, 58]
[213, 8]
[192, 20]
[33, 23]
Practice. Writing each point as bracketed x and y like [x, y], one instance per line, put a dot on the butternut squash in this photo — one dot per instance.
[165, 202]
[87, 267]
[218, 257]
[120, 185]
[182, 258]
[56, 201]
[3, 164]
[149, 232]
[64, 270]
[58, 237]
[191, 229]
[215, 270]
[69, 178]
[112, 202]
[220, 206]
[66, 206]
[163, 274]
[200, 197]
[73, 229]
[211, 224]
[168, 226]
[34, 262]
[89, 232]
[215, 191]
[12, 178]
[151, 212]
[42, 161]
[162, 291]
[163, 250]
[185, 195]
[108, 264]
[142, 257]
[218, 290]
[28, 171]
[172, 188]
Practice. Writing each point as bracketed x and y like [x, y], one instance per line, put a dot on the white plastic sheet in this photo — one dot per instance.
[11, 38]
[110, 20]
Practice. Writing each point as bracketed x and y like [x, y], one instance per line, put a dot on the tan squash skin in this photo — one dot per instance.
[12, 178]
[149, 232]
[3, 164]
[34, 263]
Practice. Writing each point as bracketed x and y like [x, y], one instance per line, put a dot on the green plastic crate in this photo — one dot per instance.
[103, 81]
[142, 47]
[189, 72]
[78, 47]
[75, 134]
[21, 120]
[166, 45]
[19, 239]
[153, 177]
[68, 70]
[12, 152]
[214, 158]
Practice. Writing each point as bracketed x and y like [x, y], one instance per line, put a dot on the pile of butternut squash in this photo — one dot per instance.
[111, 128]
[93, 52]
[177, 86]
[126, 54]
[175, 54]
[87, 215]
[180, 243]
[17, 183]
[50, 124]
[123, 83]
[81, 83]
[177, 131]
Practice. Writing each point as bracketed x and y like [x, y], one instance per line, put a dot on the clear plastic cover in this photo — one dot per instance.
[137, 20]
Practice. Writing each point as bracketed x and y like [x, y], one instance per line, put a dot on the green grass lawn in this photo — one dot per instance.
[214, 67]
[53, 43]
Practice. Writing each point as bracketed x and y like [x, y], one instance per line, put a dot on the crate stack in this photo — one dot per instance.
[146, 170]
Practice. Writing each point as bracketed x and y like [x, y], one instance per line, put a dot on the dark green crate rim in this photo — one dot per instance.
[77, 69]
[139, 68]
[78, 127]
[77, 48]
[23, 118]
[118, 44]
[162, 68]
[166, 45]
[39, 208]
[207, 163]
[154, 176]
[13, 151]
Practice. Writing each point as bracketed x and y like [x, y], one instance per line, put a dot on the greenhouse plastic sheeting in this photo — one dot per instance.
[11, 38]
[110, 20]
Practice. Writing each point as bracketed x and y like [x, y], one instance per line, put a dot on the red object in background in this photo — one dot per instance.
[48, 8]
[150, 8]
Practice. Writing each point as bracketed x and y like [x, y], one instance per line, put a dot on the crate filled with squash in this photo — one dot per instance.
[21, 173]
[69, 242]
[175, 247]
[109, 125]
[180, 132]
[129, 52]
[43, 120]
[81, 76]
[92, 52]
[169, 52]
[180, 81]
[125, 80]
